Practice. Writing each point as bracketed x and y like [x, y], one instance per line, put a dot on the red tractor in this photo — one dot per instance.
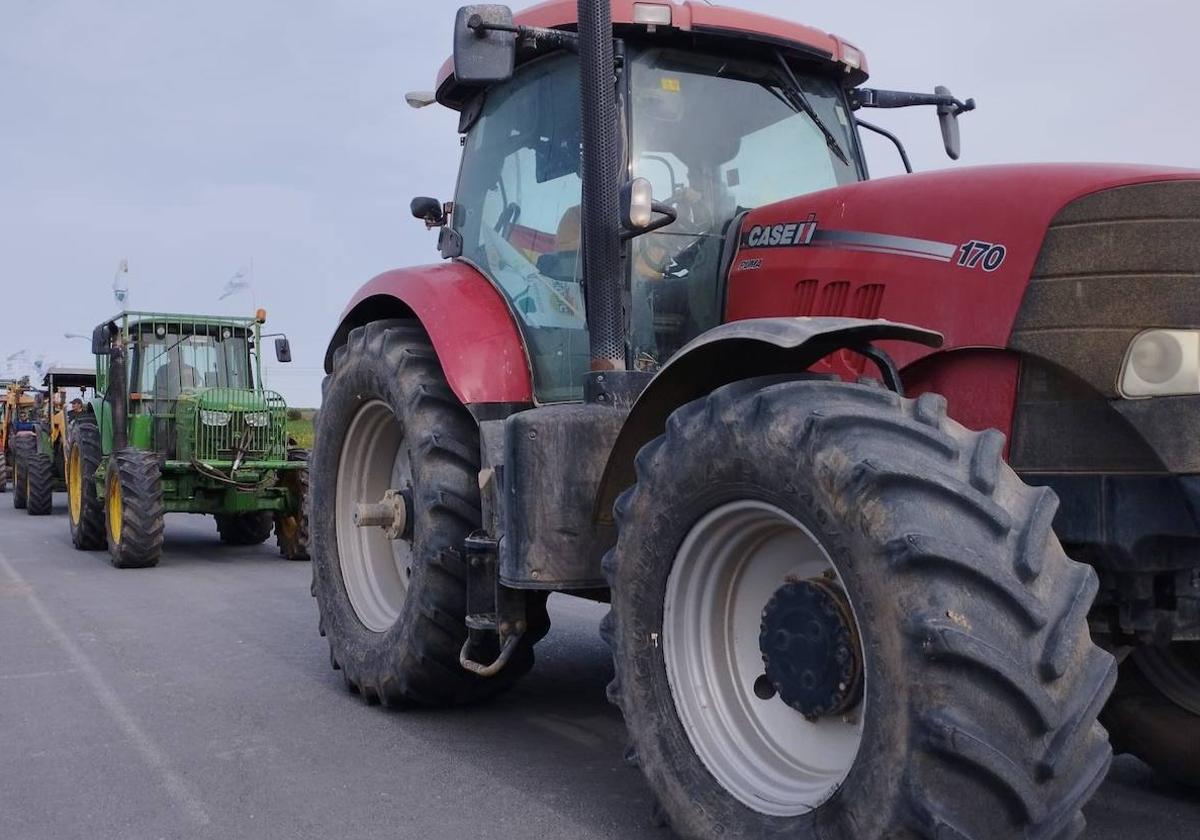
[887, 481]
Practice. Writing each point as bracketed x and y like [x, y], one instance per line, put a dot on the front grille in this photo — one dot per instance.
[232, 423]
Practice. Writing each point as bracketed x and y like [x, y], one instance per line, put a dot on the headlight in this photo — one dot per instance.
[214, 418]
[1161, 363]
[258, 419]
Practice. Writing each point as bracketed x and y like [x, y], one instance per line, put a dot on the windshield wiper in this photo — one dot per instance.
[795, 97]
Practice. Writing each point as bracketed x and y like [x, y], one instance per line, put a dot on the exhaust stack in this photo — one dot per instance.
[601, 191]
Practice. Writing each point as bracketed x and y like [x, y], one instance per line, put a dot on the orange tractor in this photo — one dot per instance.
[884, 479]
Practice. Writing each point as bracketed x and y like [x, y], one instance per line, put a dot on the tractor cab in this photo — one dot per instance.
[192, 385]
[517, 209]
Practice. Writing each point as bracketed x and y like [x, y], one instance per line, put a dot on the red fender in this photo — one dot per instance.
[468, 321]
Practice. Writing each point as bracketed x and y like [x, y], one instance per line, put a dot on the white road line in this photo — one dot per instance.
[176, 787]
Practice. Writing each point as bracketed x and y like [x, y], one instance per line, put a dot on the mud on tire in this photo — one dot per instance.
[982, 685]
[414, 660]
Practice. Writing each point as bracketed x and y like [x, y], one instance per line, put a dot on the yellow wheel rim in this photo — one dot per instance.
[114, 509]
[74, 485]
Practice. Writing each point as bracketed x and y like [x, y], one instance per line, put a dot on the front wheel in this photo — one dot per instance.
[39, 484]
[1155, 711]
[849, 619]
[85, 506]
[291, 527]
[134, 509]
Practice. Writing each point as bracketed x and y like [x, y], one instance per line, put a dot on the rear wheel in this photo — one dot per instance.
[394, 609]
[850, 619]
[39, 484]
[134, 509]
[1155, 711]
[85, 506]
[291, 527]
[244, 528]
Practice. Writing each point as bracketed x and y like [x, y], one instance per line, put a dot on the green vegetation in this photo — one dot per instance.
[301, 427]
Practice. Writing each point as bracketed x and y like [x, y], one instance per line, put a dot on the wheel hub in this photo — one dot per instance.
[810, 648]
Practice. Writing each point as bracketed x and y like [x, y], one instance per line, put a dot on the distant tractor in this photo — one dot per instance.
[43, 465]
[20, 409]
[671, 364]
[181, 422]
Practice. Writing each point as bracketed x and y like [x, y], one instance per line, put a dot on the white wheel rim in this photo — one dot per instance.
[375, 570]
[763, 752]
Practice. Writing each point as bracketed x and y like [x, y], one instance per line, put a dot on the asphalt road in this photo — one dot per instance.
[196, 700]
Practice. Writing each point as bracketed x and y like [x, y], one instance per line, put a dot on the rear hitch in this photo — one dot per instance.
[495, 613]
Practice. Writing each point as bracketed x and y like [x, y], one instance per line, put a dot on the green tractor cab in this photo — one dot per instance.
[181, 422]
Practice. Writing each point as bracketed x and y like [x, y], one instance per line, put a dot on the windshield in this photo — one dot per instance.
[716, 135]
[171, 364]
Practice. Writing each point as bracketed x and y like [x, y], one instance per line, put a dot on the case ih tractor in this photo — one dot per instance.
[181, 422]
[888, 482]
[42, 466]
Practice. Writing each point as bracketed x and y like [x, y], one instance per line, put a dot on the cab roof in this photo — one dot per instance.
[687, 16]
[70, 377]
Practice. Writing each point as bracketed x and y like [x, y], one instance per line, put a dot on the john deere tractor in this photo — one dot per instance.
[181, 422]
[888, 482]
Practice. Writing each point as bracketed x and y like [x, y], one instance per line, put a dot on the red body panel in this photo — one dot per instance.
[850, 266]
[469, 323]
[688, 16]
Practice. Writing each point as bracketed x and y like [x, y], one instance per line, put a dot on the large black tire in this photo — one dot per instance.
[244, 528]
[292, 534]
[134, 474]
[22, 447]
[414, 662]
[1147, 723]
[3, 472]
[982, 684]
[39, 484]
[85, 505]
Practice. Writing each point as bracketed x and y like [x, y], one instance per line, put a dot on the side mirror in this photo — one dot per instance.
[102, 340]
[283, 350]
[429, 210]
[485, 44]
[948, 120]
[638, 209]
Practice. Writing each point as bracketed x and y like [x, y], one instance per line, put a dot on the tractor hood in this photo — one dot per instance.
[953, 251]
[216, 424]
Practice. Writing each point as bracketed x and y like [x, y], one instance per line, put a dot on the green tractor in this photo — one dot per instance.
[181, 422]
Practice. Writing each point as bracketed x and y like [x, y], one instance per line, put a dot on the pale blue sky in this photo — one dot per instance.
[192, 138]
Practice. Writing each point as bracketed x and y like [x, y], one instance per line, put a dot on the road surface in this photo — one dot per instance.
[195, 700]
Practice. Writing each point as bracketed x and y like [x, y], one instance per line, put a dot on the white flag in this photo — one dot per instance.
[237, 283]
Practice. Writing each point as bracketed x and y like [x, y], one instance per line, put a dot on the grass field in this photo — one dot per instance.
[302, 429]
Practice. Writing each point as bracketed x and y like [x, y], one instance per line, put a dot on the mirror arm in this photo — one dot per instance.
[534, 36]
[883, 132]
[872, 98]
[667, 215]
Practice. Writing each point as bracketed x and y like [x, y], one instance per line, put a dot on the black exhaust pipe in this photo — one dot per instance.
[601, 190]
[117, 393]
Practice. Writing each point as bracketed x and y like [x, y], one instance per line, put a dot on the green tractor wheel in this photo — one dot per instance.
[244, 528]
[39, 484]
[85, 507]
[291, 529]
[133, 502]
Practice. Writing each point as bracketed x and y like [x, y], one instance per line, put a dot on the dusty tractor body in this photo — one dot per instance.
[21, 409]
[42, 465]
[181, 422]
[807, 432]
